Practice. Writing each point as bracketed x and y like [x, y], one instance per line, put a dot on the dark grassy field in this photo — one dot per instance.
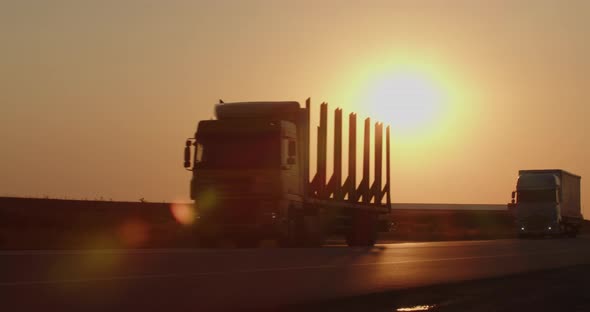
[29, 223]
[428, 225]
[52, 223]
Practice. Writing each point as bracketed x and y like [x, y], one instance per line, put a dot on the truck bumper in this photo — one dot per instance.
[219, 229]
[548, 229]
[231, 217]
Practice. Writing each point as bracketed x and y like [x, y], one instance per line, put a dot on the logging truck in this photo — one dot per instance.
[251, 177]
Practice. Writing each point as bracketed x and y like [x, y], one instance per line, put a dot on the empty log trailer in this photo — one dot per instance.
[250, 178]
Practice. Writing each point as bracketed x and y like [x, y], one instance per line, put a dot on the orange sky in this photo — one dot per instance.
[97, 97]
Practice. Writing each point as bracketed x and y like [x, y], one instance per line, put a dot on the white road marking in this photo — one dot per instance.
[265, 270]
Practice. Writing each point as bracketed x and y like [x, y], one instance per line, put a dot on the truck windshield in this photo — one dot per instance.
[537, 196]
[240, 152]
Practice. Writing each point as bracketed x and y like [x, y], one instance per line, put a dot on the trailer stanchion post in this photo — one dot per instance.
[364, 187]
[376, 191]
[335, 184]
[318, 185]
[388, 168]
[350, 184]
[306, 148]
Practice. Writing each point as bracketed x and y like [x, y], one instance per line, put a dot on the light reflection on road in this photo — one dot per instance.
[417, 308]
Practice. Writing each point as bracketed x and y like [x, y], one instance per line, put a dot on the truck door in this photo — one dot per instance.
[290, 166]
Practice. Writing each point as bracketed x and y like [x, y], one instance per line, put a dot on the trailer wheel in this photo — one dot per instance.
[363, 231]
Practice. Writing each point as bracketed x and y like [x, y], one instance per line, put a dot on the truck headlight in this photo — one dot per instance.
[270, 218]
[522, 228]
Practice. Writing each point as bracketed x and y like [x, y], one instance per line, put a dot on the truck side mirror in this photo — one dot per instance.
[513, 197]
[187, 154]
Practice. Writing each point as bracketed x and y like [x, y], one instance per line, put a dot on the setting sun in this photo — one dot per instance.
[409, 101]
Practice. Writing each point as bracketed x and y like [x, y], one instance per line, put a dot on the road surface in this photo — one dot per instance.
[252, 279]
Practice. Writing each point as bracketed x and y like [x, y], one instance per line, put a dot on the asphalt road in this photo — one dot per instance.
[252, 279]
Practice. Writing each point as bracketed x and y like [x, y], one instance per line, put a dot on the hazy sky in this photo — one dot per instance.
[97, 97]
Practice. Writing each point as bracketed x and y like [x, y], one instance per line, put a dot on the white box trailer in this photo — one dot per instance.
[547, 202]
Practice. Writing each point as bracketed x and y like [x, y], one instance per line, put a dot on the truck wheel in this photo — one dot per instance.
[295, 234]
[572, 232]
[313, 231]
[562, 231]
[568, 231]
[293, 240]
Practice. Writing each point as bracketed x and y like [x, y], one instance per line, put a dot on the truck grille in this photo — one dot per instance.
[227, 187]
[233, 212]
[537, 223]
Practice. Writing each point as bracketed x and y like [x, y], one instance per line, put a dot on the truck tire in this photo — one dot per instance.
[562, 231]
[572, 232]
[569, 231]
[363, 231]
[303, 231]
[295, 232]
[313, 231]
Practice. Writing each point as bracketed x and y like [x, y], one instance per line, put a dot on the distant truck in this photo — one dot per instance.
[250, 178]
[547, 202]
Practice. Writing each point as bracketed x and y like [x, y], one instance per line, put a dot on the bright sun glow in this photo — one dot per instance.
[410, 102]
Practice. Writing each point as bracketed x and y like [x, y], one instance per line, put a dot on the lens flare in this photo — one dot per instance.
[183, 213]
[417, 308]
[97, 260]
[207, 200]
[134, 233]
